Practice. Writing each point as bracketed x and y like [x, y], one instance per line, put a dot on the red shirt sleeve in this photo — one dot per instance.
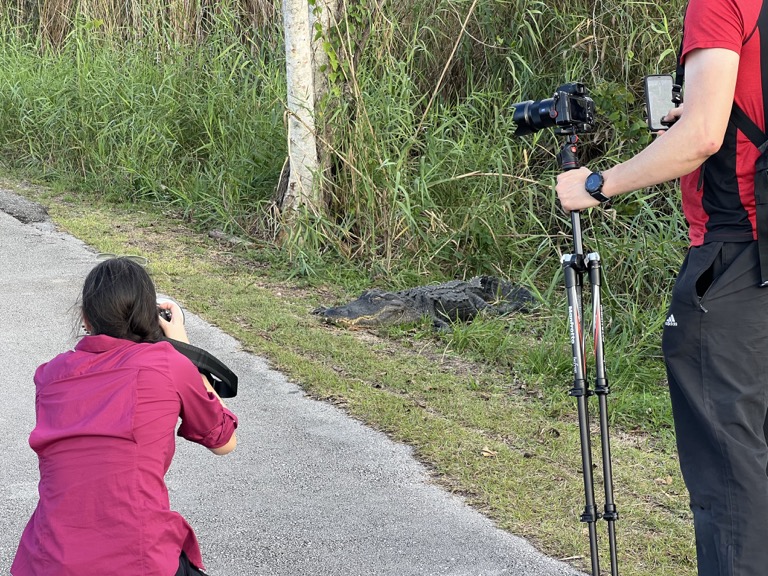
[714, 24]
[203, 418]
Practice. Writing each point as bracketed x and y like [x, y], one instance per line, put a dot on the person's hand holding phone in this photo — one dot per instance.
[659, 102]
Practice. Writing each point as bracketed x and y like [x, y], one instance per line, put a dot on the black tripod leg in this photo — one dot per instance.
[573, 271]
[602, 390]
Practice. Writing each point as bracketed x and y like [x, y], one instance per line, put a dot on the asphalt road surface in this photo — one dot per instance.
[308, 491]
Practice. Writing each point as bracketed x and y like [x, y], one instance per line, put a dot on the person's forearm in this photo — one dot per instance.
[678, 152]
[228, 447]
[232, 443]
[675, 154]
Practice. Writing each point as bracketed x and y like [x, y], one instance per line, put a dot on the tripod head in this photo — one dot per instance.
[570, 112]
[568, 157]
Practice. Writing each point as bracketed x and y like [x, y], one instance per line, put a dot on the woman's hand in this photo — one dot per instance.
[174, 329]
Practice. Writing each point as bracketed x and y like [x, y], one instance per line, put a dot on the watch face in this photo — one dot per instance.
[594, 182]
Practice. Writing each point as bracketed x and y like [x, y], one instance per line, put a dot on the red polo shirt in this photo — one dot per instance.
[105, 436]
[719, 198]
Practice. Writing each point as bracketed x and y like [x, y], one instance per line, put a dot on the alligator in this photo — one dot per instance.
[457, 300]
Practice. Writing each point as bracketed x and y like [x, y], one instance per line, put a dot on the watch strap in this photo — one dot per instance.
[599, 196]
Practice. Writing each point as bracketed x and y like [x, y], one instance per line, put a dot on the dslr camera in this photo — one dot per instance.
[164, 312]
[569, 111]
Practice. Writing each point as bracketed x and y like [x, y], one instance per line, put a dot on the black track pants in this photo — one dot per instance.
[186, 568]
[716, 349]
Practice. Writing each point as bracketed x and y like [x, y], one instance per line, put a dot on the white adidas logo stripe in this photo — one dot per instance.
[671, 321]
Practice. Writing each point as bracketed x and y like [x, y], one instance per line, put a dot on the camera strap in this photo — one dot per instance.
[222, 379]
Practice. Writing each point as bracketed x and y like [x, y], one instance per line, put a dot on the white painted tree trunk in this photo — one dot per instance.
[306, 85]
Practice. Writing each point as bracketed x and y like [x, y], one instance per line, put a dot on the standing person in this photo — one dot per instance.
[106, 418]
[715, 338]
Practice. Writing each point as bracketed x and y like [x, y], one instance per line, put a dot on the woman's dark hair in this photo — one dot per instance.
[119, 300]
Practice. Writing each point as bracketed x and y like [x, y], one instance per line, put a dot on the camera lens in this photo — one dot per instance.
[532, 116]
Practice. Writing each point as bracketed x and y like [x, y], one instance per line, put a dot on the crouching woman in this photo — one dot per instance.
[107, 414]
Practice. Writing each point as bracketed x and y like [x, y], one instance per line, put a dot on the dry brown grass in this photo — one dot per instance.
[181, 21]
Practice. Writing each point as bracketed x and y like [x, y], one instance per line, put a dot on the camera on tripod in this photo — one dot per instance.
[569, 111]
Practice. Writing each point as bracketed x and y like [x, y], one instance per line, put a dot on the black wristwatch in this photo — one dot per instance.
[594, 185]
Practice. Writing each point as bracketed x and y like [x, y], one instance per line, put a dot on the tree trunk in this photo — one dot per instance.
[301, 188]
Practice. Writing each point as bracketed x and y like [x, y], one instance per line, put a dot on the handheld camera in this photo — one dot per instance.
[164, 312]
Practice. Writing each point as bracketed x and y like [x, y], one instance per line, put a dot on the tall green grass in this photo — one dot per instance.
[197, 129]
[428, 182]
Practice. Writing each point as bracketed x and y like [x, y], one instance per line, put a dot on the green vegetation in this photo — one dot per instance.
[159, 120]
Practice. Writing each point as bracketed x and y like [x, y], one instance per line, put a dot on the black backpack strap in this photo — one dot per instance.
[760, 140]
[748, 127]
[223, 380]
[677, 87]
[761, 211]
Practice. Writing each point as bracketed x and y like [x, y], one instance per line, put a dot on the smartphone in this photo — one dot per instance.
[658, 100]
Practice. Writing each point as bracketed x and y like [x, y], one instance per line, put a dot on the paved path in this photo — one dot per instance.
[309, 491]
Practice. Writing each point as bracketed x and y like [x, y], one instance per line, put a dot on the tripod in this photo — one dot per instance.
[575, 266]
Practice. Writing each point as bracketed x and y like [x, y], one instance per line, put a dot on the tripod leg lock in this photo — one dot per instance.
[579, 389]
[590, 515]
[602, 387]
[610, 514]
